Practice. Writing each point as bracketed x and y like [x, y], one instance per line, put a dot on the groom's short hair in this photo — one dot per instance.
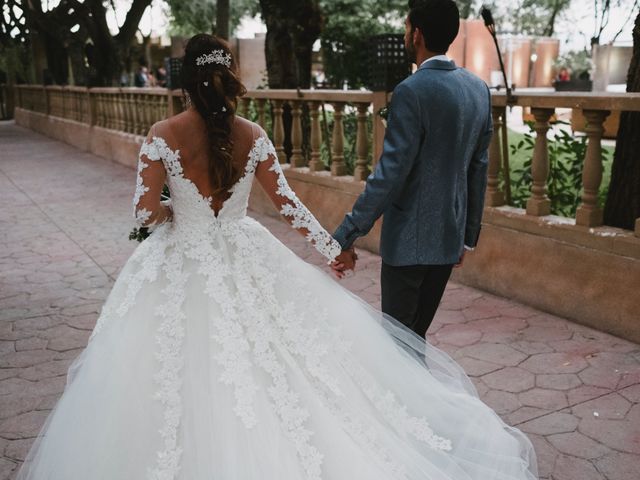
[438, 20]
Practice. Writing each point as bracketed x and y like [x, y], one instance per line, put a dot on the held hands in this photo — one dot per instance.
[345, 263]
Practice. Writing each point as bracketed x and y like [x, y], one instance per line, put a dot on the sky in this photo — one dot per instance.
[574, 28]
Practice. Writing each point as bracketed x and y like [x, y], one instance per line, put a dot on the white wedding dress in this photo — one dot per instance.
[221, 355]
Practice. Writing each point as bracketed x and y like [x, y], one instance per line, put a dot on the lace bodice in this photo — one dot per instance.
[189, 210]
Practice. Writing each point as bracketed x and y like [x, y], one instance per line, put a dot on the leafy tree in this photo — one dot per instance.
[532, 17]
[345, 37]
[197, 16]
[292, 29]
[78, 29]
[623, 202]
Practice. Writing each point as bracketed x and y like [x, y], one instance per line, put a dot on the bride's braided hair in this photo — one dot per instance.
[213, 89]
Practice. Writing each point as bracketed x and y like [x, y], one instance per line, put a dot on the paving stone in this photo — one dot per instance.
[510, 379]
[559, 381]
[546, 455]
[25, 425]
[577, 445]
[620, 435]
[571, 468]
[18, 449]
[612, 406]
[553, 363]
[501, 402]
[494, 352]
[619, 466]
[542, 398]
[526, 413]
[556, 422]
[631, 393]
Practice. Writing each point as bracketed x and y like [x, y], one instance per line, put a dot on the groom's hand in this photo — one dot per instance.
[343, 262]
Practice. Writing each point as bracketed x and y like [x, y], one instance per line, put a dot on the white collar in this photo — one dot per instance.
[442, 57]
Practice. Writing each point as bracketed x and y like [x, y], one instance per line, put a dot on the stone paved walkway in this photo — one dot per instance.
[64, 220]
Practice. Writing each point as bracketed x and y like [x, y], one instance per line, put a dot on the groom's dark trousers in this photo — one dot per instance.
[411, 294]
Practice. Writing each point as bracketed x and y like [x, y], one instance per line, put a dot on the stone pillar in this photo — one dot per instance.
[260, 102]
[278, 131]
[338, 166]
[588, 213]
[315, 163]
[539, 204]
[361, 170]
[494, 196]
[379, 101]
[297, 160]
[245, 102]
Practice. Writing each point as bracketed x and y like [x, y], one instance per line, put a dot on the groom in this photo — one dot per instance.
[431, 177]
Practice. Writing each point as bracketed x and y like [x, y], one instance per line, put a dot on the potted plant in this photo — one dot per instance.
[574, 71]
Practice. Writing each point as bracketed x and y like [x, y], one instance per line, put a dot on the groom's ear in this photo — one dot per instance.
[417, 37]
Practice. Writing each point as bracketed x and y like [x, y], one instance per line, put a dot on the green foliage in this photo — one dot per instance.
[529, 17]
[564, 184]
[577, 61]
[345, 37]
[197, 16]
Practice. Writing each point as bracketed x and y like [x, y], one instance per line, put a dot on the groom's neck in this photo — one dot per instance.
[424, 54]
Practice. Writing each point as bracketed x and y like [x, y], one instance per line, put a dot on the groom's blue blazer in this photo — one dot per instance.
[431, 177]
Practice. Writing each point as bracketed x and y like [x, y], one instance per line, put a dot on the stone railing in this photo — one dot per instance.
[595, 108]
[134, 110]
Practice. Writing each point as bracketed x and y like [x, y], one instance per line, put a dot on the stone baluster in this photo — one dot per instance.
[128, 113]
[120, 110]
[539, 204]
[111, 110]
[143, 125]
[136, 117]
[245, 103]
[315, 162]
[588, 213]
[494, 196]
[278, 131]
[338, 166]
[297, 160]
[361, 170]
[260, 103]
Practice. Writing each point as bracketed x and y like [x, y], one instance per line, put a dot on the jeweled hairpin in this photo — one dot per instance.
[216, 56]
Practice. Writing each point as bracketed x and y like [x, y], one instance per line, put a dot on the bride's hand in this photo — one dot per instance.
[345, 263]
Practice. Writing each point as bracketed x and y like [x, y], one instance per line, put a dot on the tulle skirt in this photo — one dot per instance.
[230, 358]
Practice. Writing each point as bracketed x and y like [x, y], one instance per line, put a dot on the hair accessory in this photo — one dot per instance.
[224, 109]
[216, 56]
[206, 84]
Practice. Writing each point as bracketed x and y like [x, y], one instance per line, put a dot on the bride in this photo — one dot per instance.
[219, 354]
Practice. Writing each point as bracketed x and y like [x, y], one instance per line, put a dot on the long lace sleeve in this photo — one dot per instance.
[148, 209]
[272, 179]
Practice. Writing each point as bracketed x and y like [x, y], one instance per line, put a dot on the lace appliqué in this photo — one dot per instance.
[300, 216]
[170, 338]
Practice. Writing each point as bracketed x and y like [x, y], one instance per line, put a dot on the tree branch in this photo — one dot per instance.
[130, 25]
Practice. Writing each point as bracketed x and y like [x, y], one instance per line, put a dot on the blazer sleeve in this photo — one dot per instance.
[477, 181]
[401, 144]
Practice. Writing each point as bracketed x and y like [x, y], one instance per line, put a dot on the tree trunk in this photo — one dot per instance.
[623, 200]
[222, 19]
[292, 28]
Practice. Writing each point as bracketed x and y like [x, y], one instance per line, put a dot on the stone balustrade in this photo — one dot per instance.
[307, 114]
[595, 107]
